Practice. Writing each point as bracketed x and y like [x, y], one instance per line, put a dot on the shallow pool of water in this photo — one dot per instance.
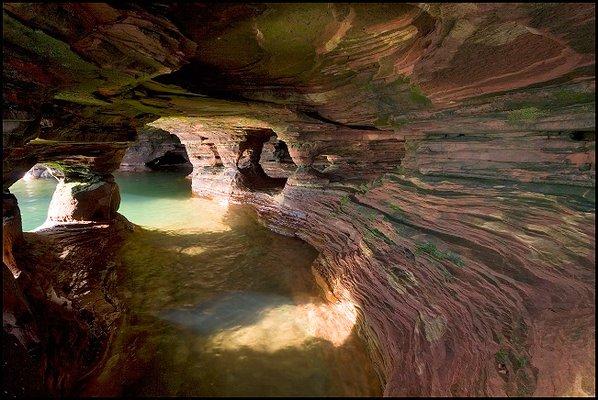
[218, 305]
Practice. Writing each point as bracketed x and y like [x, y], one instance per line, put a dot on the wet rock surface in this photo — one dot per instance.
[38, 171]
[61, 311]
[441, 159]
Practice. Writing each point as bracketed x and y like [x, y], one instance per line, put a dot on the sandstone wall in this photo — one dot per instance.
[443, 163]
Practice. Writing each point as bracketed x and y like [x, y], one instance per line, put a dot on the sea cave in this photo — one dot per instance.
[298, 199]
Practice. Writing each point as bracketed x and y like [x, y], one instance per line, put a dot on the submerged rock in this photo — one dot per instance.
[228, 311]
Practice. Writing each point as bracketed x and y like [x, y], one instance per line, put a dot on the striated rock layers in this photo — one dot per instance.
[440, 157]
[440, 263]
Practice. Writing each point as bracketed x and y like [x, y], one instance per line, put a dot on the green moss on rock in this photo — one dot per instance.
[525, 115]
[431, 249]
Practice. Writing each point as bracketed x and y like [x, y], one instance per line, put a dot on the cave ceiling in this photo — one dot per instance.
[379, 66]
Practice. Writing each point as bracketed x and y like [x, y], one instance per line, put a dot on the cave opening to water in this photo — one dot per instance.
[34, 192]
[169, 161]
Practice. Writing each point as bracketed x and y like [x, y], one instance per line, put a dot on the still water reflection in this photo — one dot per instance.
[218, 305]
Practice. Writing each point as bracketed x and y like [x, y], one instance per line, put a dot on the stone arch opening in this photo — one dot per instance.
[263, 162]
[169, 161]
[34, 193]
[156, 150]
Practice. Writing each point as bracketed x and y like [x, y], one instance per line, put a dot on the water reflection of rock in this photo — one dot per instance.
[231, 310]
[265, 322]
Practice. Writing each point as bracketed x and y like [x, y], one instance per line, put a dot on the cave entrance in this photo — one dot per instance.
[156, 150]
[34, 193]
[264, 163]
[170, 161]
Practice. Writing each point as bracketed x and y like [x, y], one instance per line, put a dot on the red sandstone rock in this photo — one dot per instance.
[444, 153]
[155, 149]
[95, 201]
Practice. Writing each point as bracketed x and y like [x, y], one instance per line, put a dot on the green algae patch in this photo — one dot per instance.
[431, 249]
[398, 212]
[401, 170]
[399, 123]
[525, 115]
[376, 233]
[82, 98]
[79, 175]
[82, 78]
[274, 44]
[161, 88]
[530, 109]
[293, 44]
[48, 49]
[417, 96]
[399, 95]
[565, 97]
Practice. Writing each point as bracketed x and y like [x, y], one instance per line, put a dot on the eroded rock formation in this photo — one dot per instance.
[38, 171]
[94, 200]
[440, 157]
[156, 149]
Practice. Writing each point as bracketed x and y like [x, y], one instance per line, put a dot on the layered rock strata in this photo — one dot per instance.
[467, 260]
[441, 158]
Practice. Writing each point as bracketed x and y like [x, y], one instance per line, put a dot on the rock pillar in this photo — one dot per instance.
[86, 196]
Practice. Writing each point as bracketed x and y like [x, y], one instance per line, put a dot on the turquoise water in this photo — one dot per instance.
[34, 198]
[217, 305]
[154, 200]
[159, 199]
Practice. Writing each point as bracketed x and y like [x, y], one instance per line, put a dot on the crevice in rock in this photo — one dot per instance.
[585, 136]
[316, 115]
